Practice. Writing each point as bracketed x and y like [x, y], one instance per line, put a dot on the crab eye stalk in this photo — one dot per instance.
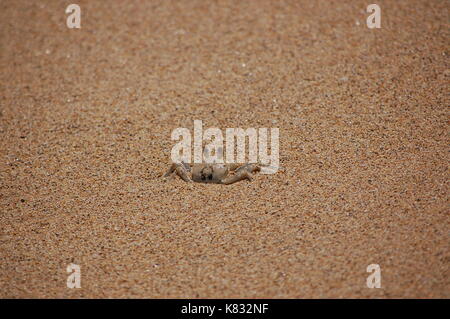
[210, 176]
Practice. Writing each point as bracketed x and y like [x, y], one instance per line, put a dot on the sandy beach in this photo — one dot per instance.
[86, 117]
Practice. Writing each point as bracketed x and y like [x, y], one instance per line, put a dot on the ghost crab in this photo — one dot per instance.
[214, 173]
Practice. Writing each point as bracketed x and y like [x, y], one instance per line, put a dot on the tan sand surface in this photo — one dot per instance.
[86, 117]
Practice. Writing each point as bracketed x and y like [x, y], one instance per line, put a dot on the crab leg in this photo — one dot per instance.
[180, 170]
[237, 177]
[251, 168]
[171, 169]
